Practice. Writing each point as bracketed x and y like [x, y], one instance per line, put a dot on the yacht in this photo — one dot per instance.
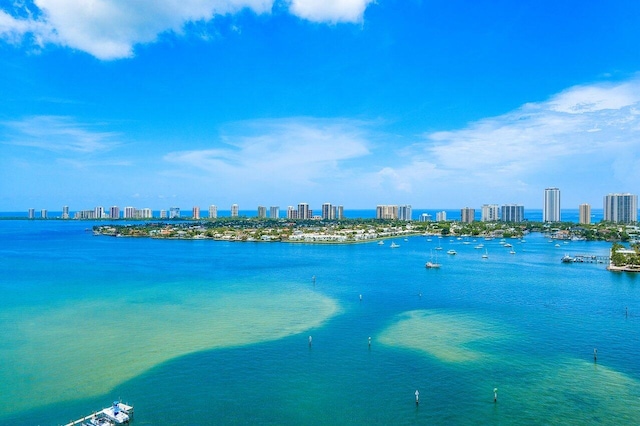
[452, 251]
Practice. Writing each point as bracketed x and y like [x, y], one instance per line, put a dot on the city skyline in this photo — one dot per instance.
[355, 101]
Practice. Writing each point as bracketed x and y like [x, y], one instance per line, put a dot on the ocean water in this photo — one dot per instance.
[204, 332]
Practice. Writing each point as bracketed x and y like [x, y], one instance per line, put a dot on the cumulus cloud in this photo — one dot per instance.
[57, 134]
[568, 136]
[330, 10]
[109, 29]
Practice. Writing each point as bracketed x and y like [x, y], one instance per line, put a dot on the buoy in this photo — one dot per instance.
[495, 394]
[361, 298]
[417, 397]
[369, 341]
[310, 340]
[595, 354]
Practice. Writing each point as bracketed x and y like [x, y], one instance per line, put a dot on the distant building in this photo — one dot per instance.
[339, 212]
[328, 212]
[145, 213]
[114, 212]
[130, 213]
[490, 213]
[387, 212]
[195, 213]
[584, 214]
[292, 213]
[65, 212]
[213, 211]
[99, 212]
[32, 213]
[512, 213]
[262, 212]
[441, 216]
[43, 213]
[274, 212]
[467, 215]
[163, 214]
[404, 213]
[551, 209]
[425, 217]
[235, 210]
[621, 208]
[303, 211]
[174, 212]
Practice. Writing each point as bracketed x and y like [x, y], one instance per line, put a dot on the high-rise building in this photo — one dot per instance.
[145, 213]
[213, 211]
[262, 212]
[65, 212]
[490, 213]
[303, 211]
[404, 213]
[339, 212]
[328, 212]
[621, 208]
[114, 212]
[551, 209]
[292, 213]
[584, 214]
[387, 212]
[235, 210]
[32, 213]
[163, 214]
[130, 213]
[512, 213]
[274, 212]
[467, 215]
[99, 212]
[425, 217]
[195, 213]
[43, 213]
[174, 212]
[441, 216]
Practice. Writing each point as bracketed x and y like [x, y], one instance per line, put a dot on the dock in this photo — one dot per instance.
[585, 258]
[118, 413]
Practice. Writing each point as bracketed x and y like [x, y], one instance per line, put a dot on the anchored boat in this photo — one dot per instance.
[117, 414]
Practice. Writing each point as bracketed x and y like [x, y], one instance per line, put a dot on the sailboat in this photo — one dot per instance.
[431, 264]
[486, 254]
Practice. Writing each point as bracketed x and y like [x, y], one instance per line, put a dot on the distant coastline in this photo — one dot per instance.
[531, 215]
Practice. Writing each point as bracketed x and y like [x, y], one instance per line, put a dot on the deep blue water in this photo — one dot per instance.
[524, 323]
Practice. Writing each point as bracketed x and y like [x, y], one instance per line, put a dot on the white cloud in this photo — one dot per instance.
[580, 132]
[299, 152]
[109, 29]
[330, 10]
[57, 134]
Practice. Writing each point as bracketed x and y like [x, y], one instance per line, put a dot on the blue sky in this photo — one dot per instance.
[437, 104]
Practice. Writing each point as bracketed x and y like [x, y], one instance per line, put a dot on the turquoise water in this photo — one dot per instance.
[203, 332]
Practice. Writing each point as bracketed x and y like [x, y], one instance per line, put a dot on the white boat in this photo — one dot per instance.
[394, 245]
[380, 243]
[512, 252]
[485, 255]
[452, 251]
[117, 414]
[479, 246]
[431, 264]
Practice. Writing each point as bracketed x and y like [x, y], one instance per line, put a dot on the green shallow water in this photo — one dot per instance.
[201, 332]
